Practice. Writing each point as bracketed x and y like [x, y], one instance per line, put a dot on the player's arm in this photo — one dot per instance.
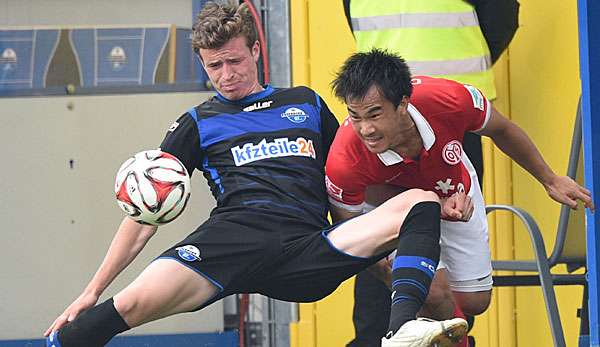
[129, 240]
[513, 141]
[182, 140]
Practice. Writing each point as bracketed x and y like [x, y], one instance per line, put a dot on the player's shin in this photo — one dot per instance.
[415, 263]
[93, 328]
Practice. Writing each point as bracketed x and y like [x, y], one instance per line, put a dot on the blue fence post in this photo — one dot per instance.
[589, 57]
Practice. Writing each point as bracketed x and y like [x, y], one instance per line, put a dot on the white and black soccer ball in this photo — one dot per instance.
[152, 187]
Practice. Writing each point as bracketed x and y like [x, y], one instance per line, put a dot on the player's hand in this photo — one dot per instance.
[565, 190]
[458, 207]
[382, 270]
[82, 303]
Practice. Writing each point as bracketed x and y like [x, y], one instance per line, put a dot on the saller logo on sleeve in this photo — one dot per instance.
[282, 147]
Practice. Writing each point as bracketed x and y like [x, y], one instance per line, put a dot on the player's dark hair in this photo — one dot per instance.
[386, 70]
[217, 23]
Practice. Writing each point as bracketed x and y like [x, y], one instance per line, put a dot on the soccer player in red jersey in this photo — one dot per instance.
[406, 132]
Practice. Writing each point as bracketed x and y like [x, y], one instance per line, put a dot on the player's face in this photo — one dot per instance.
[232, 68]
[376, 121]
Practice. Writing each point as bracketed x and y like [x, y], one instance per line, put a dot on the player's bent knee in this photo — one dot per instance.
[474, 303]
[476, 307]
[127, 305]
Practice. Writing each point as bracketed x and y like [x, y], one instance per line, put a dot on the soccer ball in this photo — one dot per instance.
[152, 187]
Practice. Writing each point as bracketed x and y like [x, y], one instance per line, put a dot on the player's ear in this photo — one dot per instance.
[256, 51]
[403, 104]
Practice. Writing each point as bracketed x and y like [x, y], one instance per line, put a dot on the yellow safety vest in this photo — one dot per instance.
[439, 38]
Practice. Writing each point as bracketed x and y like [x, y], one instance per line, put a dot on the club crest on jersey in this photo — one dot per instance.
[294, 115]
[452, 152]
[282, 147]
[188, 253]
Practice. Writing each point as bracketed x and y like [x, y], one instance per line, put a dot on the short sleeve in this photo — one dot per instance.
[345, 186]
[473, 107]
[183, 141]
[329, 126]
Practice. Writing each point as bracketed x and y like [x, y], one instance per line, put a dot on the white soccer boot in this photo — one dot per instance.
[424, 332]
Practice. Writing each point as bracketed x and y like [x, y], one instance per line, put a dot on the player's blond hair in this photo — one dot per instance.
[216, 24]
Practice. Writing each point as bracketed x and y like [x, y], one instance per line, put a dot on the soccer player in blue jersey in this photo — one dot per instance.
[262, 151]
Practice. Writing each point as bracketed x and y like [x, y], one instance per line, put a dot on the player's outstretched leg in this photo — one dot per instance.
[413, 268]
[409, 223]
[164, 288]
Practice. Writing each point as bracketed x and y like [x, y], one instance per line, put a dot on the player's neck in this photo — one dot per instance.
[411, 143]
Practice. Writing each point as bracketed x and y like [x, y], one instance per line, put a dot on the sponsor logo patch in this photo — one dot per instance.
[294, 115]
[258, 106]
[173, 126]
[333, 190]
[476, 96]
[282, 147]
[452, 152]
[428, 266]
[188, 253]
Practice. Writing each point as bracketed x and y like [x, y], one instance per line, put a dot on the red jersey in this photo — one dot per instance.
[443, 111]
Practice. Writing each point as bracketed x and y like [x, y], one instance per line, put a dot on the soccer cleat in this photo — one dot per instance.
[424, 332]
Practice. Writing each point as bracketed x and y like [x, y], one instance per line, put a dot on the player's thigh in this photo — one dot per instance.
[377, 231]
[164, 288]
[465, 251]
[310, 269]
[469, 276]
[473, 296]
[200, 269]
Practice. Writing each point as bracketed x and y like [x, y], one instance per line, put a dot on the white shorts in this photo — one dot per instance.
[465, 250]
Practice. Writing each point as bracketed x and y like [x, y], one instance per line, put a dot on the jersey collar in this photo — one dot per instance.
[250, 98]
[390, 157]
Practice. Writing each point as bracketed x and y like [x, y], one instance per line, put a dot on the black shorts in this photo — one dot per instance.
[246, 253]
